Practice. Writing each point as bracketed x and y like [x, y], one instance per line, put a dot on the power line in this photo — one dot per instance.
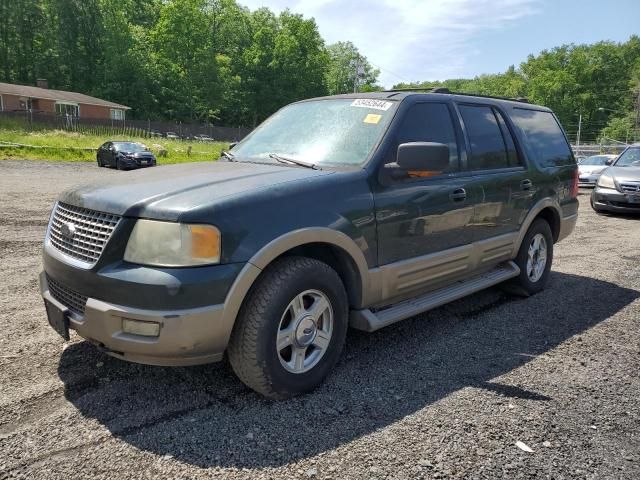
[389, 71]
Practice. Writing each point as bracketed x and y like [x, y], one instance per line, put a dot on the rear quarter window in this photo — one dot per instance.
[544, 139]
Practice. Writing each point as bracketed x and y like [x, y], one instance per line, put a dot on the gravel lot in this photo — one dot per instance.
[443, 395]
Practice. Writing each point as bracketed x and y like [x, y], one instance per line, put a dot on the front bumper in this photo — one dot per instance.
[194, 307]
[588, 179]
[610, 200]
[138, 162]
[187, 337]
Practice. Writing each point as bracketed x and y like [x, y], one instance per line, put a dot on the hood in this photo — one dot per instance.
[625, 174]
[166, 192]
[590, 169]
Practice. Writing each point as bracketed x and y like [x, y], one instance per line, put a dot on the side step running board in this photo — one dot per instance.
[369, 321]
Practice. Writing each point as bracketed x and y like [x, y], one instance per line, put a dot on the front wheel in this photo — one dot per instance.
[291, 329]
[534, 259]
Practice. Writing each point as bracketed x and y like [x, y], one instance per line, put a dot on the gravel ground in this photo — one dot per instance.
[443, 395]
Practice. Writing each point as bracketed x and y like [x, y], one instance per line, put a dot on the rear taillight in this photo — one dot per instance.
[574, 184]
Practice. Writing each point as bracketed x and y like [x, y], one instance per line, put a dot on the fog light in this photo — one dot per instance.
[139, 327]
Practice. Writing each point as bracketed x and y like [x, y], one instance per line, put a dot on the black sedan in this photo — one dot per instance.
[124, 155]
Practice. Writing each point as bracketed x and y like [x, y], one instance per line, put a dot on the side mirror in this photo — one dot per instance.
[610, 161]
[423, 157]
[231, 145]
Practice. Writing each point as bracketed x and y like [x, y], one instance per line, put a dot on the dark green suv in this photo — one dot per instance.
[356, 210]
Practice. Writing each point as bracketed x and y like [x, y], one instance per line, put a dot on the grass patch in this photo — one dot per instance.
[61, 145]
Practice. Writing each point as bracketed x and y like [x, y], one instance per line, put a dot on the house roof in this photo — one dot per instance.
[57, 95]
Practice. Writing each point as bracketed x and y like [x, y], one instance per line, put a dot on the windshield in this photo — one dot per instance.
[595, 160]
[629, 158]
[129, 147]
[321, 132]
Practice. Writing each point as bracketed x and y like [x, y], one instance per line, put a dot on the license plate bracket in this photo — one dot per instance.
[634, 198]
[58, 319]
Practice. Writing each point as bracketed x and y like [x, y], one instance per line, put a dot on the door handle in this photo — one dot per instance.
[526, 184]
[458, 195]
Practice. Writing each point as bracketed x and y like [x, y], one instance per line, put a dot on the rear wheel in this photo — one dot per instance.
[534, 259]
[291, 329]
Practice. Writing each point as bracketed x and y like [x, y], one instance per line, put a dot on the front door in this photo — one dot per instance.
[423, 223]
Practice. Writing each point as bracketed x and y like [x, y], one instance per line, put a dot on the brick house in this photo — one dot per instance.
[40, 99]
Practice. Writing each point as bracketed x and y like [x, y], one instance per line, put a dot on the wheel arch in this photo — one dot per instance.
[547, 209]
[330, 246]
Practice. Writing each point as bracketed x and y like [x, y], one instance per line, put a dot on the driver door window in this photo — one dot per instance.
[428, 122]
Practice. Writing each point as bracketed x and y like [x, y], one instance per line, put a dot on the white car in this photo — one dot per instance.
[590, 168]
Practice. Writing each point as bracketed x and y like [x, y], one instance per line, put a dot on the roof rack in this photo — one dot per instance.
[447, 91]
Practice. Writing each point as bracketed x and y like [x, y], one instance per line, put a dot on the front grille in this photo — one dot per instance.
[630, 187]
[625, 204]
[90, 231]
[70, 299]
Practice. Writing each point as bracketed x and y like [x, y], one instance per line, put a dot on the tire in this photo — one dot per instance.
[119, 165]
[99, 163]
[529, 283]
[268, 313]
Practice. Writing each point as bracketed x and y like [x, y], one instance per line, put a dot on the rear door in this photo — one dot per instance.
[499, 172]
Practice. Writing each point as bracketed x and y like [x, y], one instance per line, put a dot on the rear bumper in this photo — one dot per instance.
[610, 200]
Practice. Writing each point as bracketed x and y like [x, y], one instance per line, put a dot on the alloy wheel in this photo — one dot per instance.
[537, 257]
[304, 332]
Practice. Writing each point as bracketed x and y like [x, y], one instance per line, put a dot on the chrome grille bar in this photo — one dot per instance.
[91, 230]
[630, 187]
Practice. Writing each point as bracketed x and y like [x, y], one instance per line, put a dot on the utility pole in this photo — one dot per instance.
[635, 133]
[358, 71]
[579, 132]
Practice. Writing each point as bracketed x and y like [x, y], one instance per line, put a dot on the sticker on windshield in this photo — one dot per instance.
[371, 103]
[372, 118]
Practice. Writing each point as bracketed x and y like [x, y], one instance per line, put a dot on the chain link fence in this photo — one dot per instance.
[139, 128]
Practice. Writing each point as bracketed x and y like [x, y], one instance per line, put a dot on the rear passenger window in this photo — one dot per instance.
[488, 150]
[546, 143]
[428, 122]
[512, 153]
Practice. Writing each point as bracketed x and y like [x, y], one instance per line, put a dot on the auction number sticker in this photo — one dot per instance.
[371, 103]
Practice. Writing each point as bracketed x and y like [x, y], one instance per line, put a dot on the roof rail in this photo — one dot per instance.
[446, 90]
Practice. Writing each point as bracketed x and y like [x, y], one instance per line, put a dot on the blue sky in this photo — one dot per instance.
[413, 40]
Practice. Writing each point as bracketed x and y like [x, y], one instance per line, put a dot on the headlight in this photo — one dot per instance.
[168, 244]
[606, 181]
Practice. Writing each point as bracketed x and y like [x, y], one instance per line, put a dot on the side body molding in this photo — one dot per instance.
[378, 283]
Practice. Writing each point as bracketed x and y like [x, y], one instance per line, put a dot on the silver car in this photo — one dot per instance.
[590, 168]
[618, 188]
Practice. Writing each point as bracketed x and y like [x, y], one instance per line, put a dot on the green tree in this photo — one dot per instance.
[342, 70]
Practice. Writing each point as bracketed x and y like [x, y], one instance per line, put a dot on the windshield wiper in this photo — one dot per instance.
[228, 155]
[282, 159]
